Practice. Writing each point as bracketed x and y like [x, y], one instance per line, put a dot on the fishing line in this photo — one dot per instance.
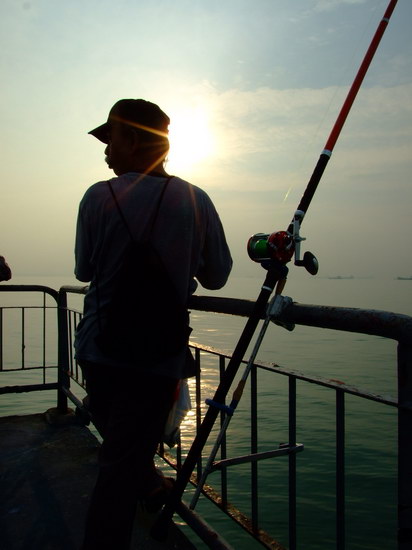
[339, 87]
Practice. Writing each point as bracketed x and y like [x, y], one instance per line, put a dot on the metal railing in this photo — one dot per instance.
[26, 329]
[378, 323]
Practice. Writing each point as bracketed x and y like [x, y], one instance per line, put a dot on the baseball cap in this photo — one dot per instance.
[135, 112]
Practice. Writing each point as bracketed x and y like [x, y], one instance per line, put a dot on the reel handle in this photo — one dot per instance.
[309, 262]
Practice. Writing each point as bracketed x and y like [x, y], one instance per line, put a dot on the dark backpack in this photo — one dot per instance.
[145, 319]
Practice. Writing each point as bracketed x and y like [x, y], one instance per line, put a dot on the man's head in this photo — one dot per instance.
[136, 134]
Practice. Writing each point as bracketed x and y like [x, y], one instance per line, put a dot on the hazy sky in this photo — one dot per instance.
[253, 88]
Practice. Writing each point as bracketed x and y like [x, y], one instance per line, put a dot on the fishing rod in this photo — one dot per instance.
[273, 252]
[283, 244]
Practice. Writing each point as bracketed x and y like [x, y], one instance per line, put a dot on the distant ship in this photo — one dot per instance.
[404, 278]
[341, 277]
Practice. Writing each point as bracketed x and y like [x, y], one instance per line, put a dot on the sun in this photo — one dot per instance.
[191, 139]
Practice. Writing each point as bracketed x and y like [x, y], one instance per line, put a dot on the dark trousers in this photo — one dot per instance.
[130, 410]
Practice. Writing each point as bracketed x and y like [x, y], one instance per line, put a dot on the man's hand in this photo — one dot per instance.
[5, 271]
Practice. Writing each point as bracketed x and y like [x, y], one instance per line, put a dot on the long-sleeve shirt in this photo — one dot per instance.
[187, 234]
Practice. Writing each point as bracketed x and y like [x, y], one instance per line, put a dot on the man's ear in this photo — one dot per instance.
[134, 141]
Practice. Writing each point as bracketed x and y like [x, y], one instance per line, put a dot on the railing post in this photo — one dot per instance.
[63, 377]
[254, 449]
[340, 470]
[404, 446]
[1, 338]
[223, 447]
[198, 407]
[292, 463]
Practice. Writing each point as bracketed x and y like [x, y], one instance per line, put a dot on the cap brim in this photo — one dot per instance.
[101, 133]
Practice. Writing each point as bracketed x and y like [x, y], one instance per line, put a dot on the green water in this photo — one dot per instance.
[363, 361]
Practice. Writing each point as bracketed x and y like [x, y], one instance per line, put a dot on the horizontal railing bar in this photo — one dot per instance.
[203, 530]
[395, 326]
[368, 321]
[75, 400]
[210, 349]
[328, 383]
[82, 411]
[30, 307]
[29, 388]
[27, 369]
[74, 289]
[265, 539]
[282, 451]
[236, 515]
[30, 288]
[391, 325]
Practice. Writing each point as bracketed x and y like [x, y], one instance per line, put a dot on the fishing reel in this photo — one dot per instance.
[282, 245]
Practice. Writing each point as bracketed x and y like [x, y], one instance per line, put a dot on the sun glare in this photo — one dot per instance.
[191, 139]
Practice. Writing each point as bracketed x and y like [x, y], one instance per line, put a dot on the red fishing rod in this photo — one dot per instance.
[262, 247]
[340, 121]
[273, 251]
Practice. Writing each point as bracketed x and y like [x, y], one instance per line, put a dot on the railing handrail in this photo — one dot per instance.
[31, 288]
[396, 326]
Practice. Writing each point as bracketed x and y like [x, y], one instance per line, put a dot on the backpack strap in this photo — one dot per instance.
[154, 217]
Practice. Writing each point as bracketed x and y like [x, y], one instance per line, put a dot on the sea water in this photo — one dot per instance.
[363, 361]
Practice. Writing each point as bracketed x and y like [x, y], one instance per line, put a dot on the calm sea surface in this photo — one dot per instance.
[363, 361]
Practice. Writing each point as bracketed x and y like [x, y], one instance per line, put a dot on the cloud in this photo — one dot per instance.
[275, 129]
[330, 5]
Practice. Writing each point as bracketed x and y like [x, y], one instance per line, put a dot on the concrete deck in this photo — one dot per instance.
[48, 466]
